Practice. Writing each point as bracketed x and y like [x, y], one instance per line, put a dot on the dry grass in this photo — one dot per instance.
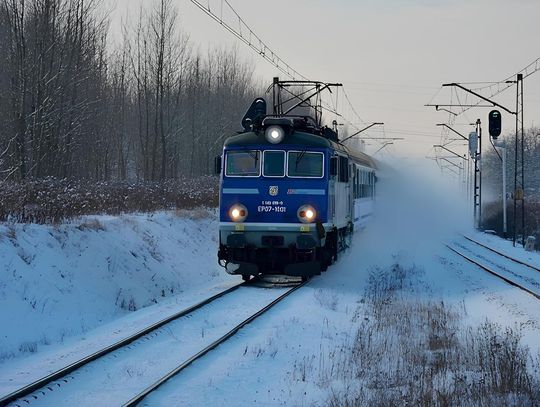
[91, 224]
[194, 214]
[407, 351]
[52, 201]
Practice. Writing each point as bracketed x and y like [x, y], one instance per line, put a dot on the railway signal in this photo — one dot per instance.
[495, 124]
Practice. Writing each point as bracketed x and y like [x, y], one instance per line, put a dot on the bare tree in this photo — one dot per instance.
[153, 109]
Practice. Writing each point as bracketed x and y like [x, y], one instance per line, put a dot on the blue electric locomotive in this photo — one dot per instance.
[290, 196]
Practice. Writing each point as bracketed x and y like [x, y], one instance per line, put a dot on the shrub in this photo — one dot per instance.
[410, 351]
[52, 200]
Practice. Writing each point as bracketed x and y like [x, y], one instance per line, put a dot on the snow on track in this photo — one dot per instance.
[506, 247]
[507, 268]
[487, 297]
[199, 355]
[117, 377]
[61, 373]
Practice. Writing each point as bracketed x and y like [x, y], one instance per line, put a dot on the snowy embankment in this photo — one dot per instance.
[64, 280]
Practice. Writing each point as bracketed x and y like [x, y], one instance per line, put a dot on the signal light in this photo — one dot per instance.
[495, 124]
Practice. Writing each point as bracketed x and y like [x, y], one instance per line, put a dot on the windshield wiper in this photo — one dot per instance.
[254, 155]
[299, 158]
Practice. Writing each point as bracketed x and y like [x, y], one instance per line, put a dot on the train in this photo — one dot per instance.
[291, 193]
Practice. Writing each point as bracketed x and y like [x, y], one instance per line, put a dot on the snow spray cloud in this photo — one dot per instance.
[417, 208]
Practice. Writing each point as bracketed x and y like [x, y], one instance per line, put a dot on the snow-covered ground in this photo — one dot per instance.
[506, 247]
[330, 343]
[398, 319]
[61, 281]
[121, 375]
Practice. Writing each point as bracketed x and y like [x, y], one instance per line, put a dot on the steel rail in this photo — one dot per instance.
[141, 396]
[40, 383]
[502, 254]
[507, 280]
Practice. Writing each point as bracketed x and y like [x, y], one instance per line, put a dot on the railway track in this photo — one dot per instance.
[51, 385]
[155, 386]
[511, 273]
[501, 254]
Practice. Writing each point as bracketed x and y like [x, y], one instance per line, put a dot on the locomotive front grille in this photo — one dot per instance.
[272, 241]
[236, 240]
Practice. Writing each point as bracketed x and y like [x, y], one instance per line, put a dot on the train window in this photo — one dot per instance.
[302, 164]
[333, 166]
[343, 169]
[243, 163]
[364, 183]
[274, 164]
[357, 194]
[355, 182]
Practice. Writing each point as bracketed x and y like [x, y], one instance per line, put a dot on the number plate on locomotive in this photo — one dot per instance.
[272, 206]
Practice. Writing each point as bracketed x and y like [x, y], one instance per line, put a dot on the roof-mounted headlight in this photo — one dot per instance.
[274, 134]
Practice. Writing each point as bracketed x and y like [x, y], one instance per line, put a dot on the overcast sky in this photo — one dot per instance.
[392, 55]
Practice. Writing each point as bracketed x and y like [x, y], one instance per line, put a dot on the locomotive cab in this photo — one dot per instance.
[274, 202]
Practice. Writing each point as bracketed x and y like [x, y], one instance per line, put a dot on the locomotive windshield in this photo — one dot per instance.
[305, 164]
[300, 164]
[274, 164]
[245, 163]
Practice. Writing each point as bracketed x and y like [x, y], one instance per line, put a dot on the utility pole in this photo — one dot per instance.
[475, 150]
[495, 127]
[479, 168]
[505, 222]
[519, 170]
[519, 190]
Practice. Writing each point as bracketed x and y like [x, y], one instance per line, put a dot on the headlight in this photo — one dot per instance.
[274, 134]
[238, 213]
[306, 214]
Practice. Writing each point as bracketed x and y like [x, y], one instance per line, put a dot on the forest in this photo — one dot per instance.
[90, 124]
[492, 183]
[74, 106]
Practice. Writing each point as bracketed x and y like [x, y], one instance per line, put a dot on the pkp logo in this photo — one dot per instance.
[273, 191]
